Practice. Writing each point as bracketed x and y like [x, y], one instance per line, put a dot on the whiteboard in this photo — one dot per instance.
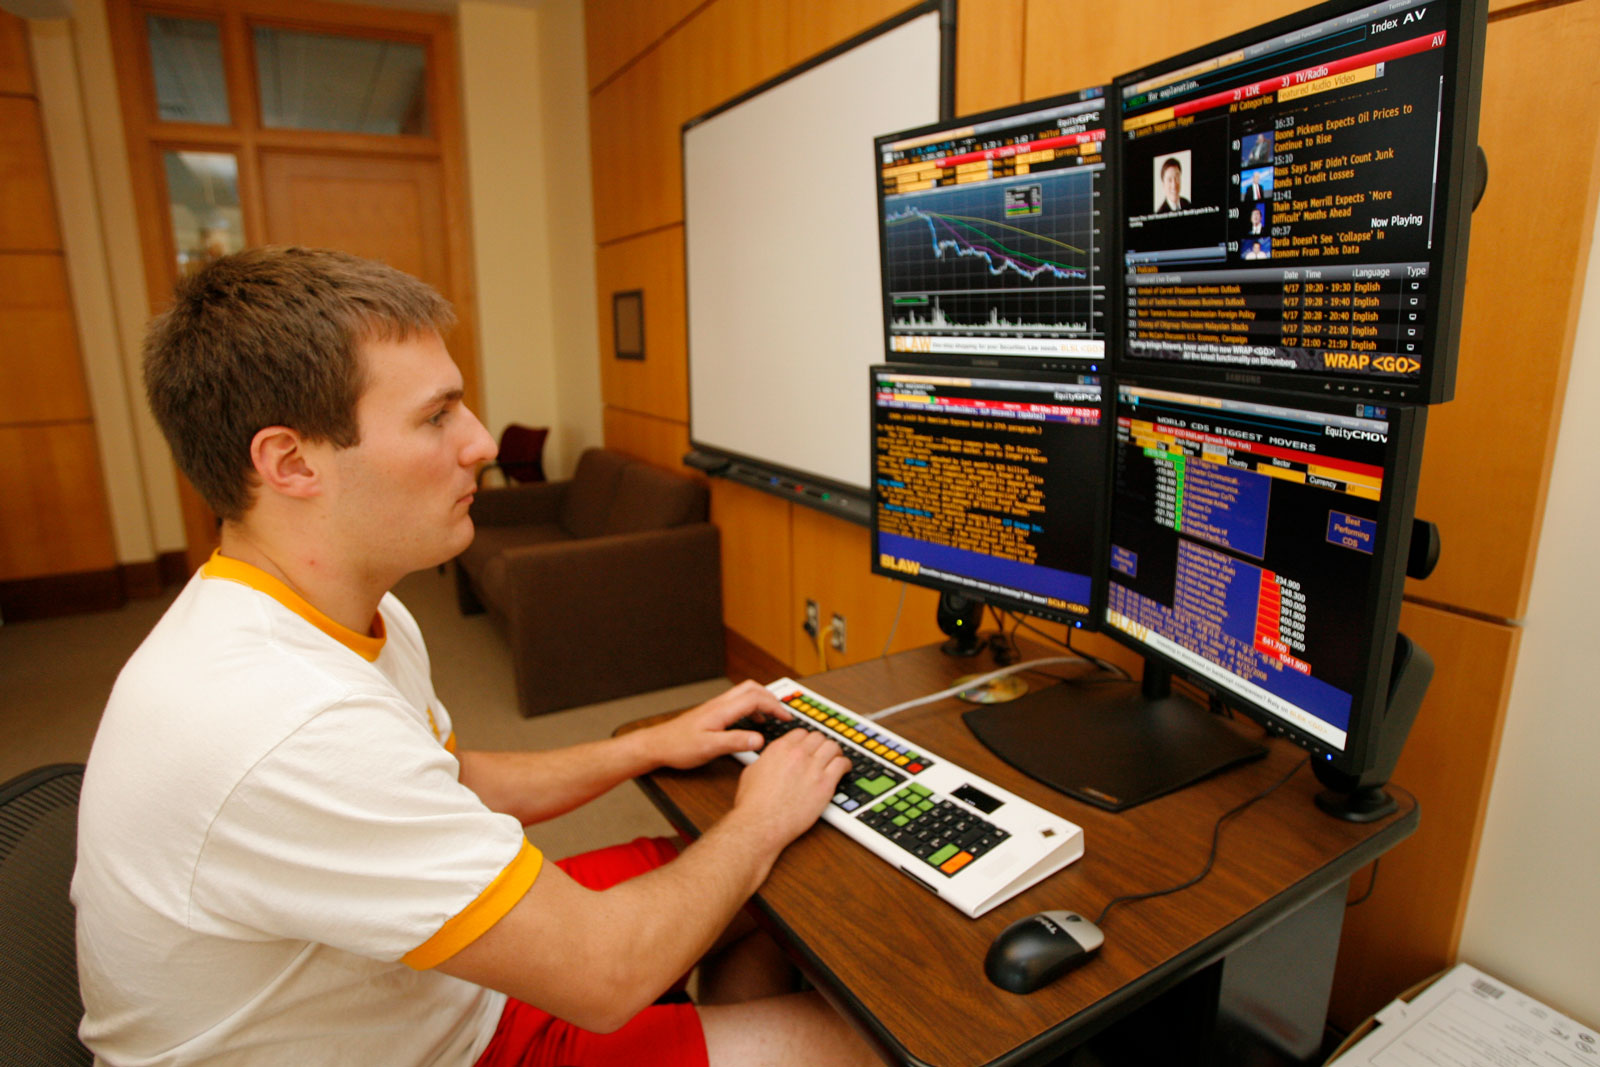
[784, 294]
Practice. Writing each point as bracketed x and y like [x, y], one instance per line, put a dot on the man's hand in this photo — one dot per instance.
[701, 734]
[789, 786]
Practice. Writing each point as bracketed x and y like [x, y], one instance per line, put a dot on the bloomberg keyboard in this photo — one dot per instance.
[971, 842]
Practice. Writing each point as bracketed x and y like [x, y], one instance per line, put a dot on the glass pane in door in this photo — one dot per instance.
[203, 202]
[320, 81]
[186, 59]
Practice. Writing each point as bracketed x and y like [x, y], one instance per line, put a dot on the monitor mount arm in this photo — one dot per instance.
[1361, 798]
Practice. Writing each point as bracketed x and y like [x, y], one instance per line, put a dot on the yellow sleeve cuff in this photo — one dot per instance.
[476, 918]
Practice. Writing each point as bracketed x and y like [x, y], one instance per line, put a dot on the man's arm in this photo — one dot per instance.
[597, 958]
[535, 786]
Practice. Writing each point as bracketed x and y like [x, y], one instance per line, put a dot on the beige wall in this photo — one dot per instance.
[1531, 918]
[527, 136]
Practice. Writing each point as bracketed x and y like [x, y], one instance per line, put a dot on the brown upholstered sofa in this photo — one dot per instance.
[607, 584]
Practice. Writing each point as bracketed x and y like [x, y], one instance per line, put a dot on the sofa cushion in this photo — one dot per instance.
[648, 498]
[587, 501]
[489, 546]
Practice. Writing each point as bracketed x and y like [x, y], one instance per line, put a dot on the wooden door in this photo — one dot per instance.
[391, 210]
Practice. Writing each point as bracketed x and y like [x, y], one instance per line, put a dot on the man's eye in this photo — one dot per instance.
[437, 418]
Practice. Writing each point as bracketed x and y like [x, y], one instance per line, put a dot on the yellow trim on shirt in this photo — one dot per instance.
[450, 743]
[508, 887]
[368, 647]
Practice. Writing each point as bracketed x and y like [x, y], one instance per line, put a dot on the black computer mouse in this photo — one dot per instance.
[1035, 951]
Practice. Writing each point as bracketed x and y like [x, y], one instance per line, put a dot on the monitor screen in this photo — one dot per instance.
[1293, 201]
[991, 236]
[992, 485]
[1258, 543]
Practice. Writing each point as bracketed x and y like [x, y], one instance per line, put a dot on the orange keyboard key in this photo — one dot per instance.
[956, 862]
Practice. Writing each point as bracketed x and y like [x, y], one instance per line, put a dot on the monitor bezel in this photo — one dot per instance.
[1466, 26]
[1097, 558]
[1385, 583]
[1110, 194]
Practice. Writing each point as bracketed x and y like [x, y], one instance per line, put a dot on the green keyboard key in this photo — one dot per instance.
[943, 854]
[875, 786]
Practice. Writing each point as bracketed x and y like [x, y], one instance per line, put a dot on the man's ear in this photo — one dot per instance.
[284, 463]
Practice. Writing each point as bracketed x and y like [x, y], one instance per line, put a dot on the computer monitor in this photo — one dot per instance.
[1257, 545]
[1296, 201]
[991, 484]
[991, 236]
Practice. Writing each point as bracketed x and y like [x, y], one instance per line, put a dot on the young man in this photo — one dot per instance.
[283, 858]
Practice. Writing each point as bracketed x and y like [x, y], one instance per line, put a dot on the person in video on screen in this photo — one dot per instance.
[284, 855]
[1170, 198]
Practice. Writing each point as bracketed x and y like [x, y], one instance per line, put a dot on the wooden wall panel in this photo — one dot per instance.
[41, 373]
[815, 27]
[53, 517]
[16, 69]
[658, 384]
[627, 28]
[636, 163]
[654, 440]
[1112, 39]
[27, 203]
[989, 70]
[636, 120]
[756, 560]
[1486, 464]
[1411, 925]
[729, 46]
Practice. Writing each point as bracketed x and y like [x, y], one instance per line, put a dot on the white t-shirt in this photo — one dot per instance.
[274, 844]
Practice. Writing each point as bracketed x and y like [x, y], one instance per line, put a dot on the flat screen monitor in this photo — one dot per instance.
[991, 484]
[1258, 546]
[991, 234]
[1296, 201]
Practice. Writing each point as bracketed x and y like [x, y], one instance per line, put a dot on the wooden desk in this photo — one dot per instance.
[908, 969]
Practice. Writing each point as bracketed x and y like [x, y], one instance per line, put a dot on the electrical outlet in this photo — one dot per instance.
[813, 618]
[836, 632]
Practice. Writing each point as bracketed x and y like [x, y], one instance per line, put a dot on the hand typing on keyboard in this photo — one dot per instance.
[792, 782]
[703, 733]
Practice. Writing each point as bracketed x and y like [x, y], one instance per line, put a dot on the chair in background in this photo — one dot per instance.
[521, 456]
[608, 583]
[40, 1006]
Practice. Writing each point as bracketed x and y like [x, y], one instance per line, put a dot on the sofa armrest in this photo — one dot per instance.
[602, 617]
[519, 505]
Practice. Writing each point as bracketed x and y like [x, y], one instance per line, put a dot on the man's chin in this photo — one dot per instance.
[458, 544]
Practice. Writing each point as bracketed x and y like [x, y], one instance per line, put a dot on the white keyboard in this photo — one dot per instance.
[972, 843]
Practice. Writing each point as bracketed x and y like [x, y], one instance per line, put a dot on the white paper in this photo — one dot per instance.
[1468, 1019]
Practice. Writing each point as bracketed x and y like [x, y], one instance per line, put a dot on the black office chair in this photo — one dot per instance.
[40, 1006]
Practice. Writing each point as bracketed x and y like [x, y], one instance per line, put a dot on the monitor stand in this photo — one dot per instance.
[1113, 745]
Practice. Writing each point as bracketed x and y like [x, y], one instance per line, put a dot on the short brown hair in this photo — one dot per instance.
[272, 337]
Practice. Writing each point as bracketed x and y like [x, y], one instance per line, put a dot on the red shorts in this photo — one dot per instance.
[667, 1034]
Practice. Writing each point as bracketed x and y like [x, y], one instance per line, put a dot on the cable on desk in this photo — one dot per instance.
[895, 625]
[1105, 665]
[1003, 646]
[1216, 839]
[971, 683]
[1027, 665]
